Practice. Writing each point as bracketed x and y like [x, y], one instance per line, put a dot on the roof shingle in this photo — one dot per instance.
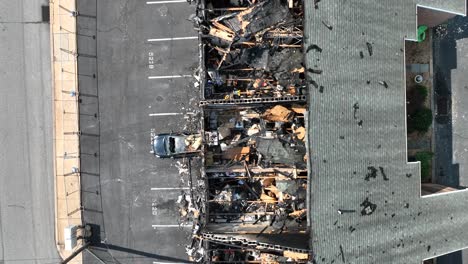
[365, 204]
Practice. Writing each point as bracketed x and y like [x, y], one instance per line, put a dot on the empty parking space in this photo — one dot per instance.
[171, 58]
[168, 20]
[163, 204]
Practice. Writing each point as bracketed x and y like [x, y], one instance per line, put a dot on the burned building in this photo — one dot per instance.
[255, 177]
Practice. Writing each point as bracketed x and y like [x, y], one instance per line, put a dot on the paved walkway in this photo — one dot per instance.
[66, 138]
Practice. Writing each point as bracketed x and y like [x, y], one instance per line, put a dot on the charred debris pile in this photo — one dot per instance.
[255, 136]
[252, 197]
[252, 49]
[255, 161]
[254, 207]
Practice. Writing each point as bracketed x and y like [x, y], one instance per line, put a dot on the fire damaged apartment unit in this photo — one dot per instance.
[254, 105]
[255, 166]
[252, 52]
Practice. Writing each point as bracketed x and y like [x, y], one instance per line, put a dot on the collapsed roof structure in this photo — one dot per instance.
[256, 170]
[253, 190]
[252, 52]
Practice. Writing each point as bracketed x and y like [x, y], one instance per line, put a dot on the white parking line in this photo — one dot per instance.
[171, 226]
[165, 114]
[171, 114]
[169, 39]
[165, 2]
[169, 77]
[174, 188]
[156, 262]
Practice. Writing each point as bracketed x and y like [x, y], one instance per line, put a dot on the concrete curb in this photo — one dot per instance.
[52, 14]
[431, 78]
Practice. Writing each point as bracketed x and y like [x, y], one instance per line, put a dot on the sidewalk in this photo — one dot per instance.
[66, 128]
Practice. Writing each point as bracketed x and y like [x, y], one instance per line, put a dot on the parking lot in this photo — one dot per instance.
[144, 54]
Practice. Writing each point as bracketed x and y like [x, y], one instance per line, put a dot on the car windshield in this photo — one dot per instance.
[171, 145]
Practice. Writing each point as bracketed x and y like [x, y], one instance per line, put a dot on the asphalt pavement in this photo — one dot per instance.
[135, 75]
[27, 230]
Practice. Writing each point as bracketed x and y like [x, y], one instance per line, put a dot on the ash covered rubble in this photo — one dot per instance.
[255, 163]
[190, 202]
[249, 203]
[252, 49]
[255, 191]
[264, 203]
[227, 254]
[258, 137]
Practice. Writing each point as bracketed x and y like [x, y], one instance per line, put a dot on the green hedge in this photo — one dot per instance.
[425, 158]
[422, 90]
[421, 120]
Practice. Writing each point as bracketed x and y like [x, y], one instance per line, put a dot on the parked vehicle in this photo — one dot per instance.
[175, 145]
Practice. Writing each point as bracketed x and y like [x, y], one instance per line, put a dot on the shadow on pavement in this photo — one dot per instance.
[139, 253]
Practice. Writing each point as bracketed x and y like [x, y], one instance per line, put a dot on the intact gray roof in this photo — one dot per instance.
[357, 131]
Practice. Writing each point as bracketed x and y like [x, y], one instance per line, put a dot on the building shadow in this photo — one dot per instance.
[139, 253]
[444, 61]
[452, 258]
